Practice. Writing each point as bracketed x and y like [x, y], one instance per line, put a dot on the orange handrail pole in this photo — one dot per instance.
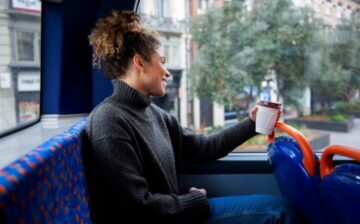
[326, 161]
[309, 160]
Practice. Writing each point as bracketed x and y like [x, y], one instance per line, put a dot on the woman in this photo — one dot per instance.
[137, 148]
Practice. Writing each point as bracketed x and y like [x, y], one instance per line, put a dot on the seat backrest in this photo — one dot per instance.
[340, 191]
[295, 183]
[47, 185]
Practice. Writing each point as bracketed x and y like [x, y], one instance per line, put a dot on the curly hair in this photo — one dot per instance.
[115, 39]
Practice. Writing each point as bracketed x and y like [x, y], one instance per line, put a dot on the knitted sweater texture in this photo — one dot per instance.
[134, 154]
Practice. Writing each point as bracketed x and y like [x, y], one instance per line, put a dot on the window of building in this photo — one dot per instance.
[338, 12]
[187, 8]
[175, 54]
[317, 6]
[27, 47]
[161, 8]
[203, 4]
[328, 9]
[166, 49]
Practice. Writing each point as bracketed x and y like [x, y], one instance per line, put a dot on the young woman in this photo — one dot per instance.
[137, 148]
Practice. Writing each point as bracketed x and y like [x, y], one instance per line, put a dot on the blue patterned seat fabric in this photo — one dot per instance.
[47, 185]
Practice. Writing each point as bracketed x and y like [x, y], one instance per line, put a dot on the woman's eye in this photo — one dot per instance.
[162, 60]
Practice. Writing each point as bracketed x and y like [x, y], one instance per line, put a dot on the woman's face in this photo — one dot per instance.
[155, 75]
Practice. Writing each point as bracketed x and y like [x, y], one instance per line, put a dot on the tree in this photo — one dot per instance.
[237, 46]
[332, 69]
[347, 52]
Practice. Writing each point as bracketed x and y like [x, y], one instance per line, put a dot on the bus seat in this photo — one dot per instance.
[340, 187]
[295, 183]
[47, 185]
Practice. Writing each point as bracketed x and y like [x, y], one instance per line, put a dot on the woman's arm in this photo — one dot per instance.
[201, 147]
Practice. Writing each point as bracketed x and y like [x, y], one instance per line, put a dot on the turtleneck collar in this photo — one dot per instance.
[126, 95]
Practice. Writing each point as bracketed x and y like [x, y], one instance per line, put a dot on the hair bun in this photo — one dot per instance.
[126, 21]
[108, 35]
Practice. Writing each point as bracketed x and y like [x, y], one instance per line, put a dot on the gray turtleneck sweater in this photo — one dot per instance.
[135, 151]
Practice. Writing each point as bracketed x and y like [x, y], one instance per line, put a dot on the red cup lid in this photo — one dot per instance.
[269, 104]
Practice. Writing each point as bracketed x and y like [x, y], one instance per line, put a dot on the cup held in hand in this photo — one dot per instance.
[266, 116]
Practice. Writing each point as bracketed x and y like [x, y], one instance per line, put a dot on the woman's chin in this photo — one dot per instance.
[159, 93]
[162, 94]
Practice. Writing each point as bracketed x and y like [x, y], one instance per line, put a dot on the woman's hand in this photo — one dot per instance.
[201, 190]
[253, 113]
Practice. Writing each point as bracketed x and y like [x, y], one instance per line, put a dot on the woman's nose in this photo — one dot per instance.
[168, 74]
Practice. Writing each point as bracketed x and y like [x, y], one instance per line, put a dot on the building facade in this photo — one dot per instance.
[20, 22]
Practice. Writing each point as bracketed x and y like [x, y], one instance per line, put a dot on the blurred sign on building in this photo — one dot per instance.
[28, 82]
[27, 5]
[5, 81]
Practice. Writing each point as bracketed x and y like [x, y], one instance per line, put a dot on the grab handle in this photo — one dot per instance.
[326, 161]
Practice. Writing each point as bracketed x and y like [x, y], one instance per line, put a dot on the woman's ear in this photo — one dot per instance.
[138, 62]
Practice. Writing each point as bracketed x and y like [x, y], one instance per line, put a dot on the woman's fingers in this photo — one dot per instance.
[202, 190]
[253, 113]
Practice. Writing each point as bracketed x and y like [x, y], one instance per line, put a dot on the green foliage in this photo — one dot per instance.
[213, 130]
[213, 73]
[330, 82]
[348, 107]
[257, 140]
[262, 139]
[331, 67]
[338, 117]
[239, 47]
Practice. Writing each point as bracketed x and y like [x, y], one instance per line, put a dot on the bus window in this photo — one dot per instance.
[19, 63]
[225, 56]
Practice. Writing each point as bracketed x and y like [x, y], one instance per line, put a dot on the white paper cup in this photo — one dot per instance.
[266, 116]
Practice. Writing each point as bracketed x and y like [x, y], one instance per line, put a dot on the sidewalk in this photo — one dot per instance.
[351, 138]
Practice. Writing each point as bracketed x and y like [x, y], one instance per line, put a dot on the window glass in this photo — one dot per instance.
[161, 8]
[175, 54]
[25, 46]
[19, 63]
[303, 54]
[167, 52]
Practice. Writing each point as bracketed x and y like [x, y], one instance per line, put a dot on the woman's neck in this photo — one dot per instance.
[133, 81]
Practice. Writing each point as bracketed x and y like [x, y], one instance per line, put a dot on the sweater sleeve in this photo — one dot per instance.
[125, 176]
[198, 147]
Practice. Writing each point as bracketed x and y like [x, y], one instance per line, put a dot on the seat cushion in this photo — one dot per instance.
[47, 185]
[296, 185]
[340, 193]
